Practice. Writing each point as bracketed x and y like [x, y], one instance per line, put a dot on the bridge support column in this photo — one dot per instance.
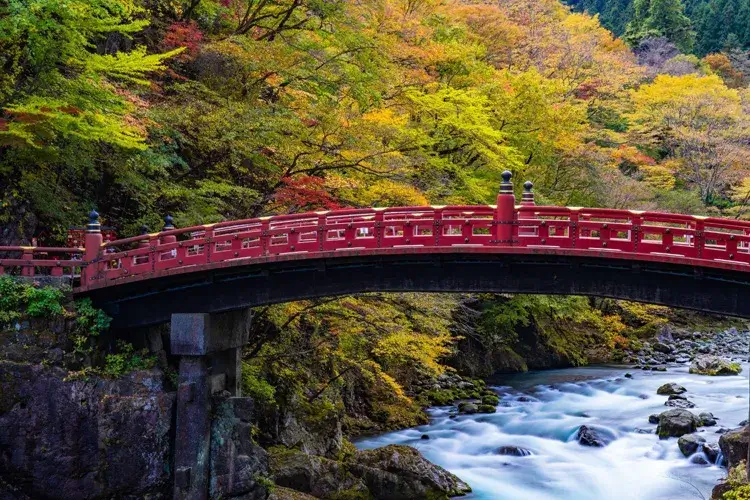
[210, 350]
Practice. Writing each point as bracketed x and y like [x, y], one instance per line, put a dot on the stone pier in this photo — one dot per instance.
[210, 350]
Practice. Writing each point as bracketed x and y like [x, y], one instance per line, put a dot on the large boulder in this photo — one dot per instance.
[670, 388]
[397, 472]
[594, 436]
[315, 475]
[714, 365]
[734, 444]
[676, 423]
[663, 348]
[690, 443]
[392, 472]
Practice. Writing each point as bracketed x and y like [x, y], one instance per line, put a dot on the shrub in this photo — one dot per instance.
[127, 360]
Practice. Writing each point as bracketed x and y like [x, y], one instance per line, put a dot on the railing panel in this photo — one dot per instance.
[672, 236]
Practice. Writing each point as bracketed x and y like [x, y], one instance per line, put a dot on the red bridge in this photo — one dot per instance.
[677, 260]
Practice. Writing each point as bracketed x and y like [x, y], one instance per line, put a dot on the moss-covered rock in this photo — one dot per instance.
[317, 476]
[486, 409]
[388, 473]
[400, 472]
[441, 397]
[734, 445]
[676, 423]
[734, 486]
[670, 389]
[714, 365]
[468, 408]
[490, 399]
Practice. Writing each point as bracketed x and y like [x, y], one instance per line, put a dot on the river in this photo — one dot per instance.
[541, 412]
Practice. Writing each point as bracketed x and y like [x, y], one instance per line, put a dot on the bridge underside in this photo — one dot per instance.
[153, 301]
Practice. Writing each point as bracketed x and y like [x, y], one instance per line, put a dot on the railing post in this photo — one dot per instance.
[28, 254]
[527, 210]
[505, 213]
[168, 226]
[92, 247]
[144, 243]
[165, 240]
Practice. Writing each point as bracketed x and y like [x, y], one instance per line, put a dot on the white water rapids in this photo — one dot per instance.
[634, 466]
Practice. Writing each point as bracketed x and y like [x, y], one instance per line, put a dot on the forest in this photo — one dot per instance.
[212, 110]
[702, 26]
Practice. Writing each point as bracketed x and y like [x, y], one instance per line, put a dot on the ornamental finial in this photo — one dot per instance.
[168, 223]
[93, 226]
[506, 187]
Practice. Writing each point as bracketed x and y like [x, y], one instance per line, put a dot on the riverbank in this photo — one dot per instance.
[539, 415]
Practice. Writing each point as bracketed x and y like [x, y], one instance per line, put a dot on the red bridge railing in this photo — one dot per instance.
[506, 227]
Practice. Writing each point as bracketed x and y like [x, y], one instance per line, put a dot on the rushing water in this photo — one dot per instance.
[634, 466]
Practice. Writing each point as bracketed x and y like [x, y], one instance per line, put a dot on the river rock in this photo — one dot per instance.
[679, 401]
[490, 399]
[467, 408]
[486, 409]
[670, 388]
[714, 365]
[663, 348]
[689, 444]
[676, 423]
[653, 419]
[513, 451]
[711, 451]
[707, 419]
[734, 444]
[398, 472]
[594, 436]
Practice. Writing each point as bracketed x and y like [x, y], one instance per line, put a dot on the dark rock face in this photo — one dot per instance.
[670, 388]
[237, 463]
[84, 439]
[676, 423]
[653, 419]
[390, 473]
[734, 444]
[689, 444]
[594, 436]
